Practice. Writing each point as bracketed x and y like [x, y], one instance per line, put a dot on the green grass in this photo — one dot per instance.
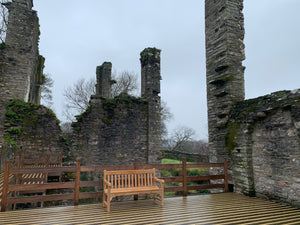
[170, 161]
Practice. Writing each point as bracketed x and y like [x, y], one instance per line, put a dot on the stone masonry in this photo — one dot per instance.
[104, 82]
[225, 72]
[21, 60]
[264, 144]
[115, 131]
[21, 74]
[259, 136]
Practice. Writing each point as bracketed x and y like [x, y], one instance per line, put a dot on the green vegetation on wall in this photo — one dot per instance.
[148, 56]
[20, 115]
[230, 137]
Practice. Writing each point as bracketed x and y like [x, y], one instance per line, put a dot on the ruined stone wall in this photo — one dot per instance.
[21, 66]
[224, 30]
[112, 132]
[31, 130]
[117, 131]
[260, 136]
[264, 144]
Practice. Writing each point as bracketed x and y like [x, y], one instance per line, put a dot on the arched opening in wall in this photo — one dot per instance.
[117, 31]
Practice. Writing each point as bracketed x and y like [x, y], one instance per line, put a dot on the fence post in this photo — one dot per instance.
[184, 177]
[77, 183]
[5, 186]
[226, 189]
[136, 166]
[22, 161]
[47, 159]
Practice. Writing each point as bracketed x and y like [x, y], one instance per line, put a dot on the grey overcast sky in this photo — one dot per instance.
[76, 36]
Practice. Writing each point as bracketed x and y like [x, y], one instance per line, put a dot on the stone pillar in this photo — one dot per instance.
[25, 3]
[150, 72]
[104, 82]
[18, 59]
[224, 30]
[20, 51]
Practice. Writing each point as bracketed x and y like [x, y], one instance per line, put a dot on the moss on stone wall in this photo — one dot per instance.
[150, 56]
[2, 45]
[20, 114]
[233, 132]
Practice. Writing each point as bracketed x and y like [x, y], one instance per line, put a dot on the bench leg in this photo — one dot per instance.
[103, 199]
[108, 205]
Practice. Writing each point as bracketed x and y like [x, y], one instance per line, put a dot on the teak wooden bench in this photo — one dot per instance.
[131, 182]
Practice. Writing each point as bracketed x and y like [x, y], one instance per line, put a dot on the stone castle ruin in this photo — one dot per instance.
[261, 136]
[121, 129]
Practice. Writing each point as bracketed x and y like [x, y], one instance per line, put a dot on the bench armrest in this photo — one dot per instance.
[106, 183]
[159, 180]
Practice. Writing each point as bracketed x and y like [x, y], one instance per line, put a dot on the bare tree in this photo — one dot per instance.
[180, 137]
[166, 116]
[3, 20]
[126, 82]
[77, 97]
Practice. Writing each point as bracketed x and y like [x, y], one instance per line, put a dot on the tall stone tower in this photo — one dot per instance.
[21, 73]
[21, 66]
[150, 69]
[103, 87]
[224, 31]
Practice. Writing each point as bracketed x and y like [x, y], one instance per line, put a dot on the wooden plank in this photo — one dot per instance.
[160, 166]
[91, 183]
[33, 179]
[120, 172]
[172, 179]
[210, 177]
[84, 195]
[173, 189]
[102, 168]
[225, 208]
[205, 186]
[39, 198]
[32, 187]
[5, 186]
[205, 165]
[15, 171]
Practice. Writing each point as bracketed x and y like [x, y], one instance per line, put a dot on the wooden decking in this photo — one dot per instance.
[225, 208]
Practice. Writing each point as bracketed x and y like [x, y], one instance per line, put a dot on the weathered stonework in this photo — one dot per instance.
[21, 66]
[150, 63]
[224, 31]
[19, 71]
[260, 136]
[264, 144]
[104, 82]
[116, 131]
[31, 130]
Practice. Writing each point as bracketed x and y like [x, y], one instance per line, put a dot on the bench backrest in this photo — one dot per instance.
[130, 178]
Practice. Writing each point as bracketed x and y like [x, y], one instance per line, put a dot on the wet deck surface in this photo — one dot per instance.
[226, 208]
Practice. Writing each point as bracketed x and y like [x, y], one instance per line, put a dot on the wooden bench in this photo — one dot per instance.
[131, 182]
